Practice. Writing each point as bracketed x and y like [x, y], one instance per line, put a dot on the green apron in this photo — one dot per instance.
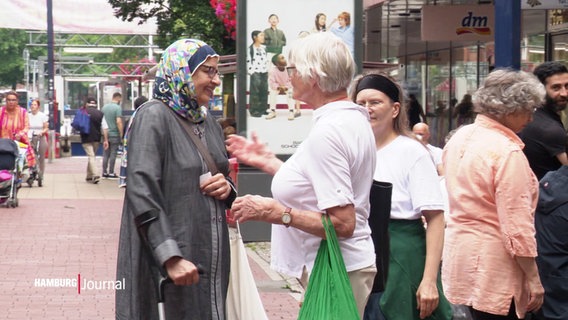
[406, 267]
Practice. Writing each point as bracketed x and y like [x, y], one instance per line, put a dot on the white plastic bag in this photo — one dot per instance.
[243, 300]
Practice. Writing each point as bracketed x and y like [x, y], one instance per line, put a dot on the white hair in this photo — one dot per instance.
[324, 57]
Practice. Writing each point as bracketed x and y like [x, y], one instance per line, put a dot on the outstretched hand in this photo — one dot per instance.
[250, 152]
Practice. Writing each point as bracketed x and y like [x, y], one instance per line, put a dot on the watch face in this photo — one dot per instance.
[286, 218]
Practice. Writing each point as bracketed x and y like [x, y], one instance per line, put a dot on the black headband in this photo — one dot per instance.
[381, 83]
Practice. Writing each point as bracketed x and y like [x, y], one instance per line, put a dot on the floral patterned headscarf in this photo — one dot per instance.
[174, 84]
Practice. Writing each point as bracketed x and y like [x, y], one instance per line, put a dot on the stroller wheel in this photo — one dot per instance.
[30, 182]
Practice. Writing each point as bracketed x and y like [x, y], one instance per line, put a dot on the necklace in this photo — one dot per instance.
[198, 131]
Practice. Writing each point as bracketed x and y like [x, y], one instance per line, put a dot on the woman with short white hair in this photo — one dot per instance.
[330, 173]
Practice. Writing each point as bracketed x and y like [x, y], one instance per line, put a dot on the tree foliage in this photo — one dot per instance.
[178, 19]
[11, 54]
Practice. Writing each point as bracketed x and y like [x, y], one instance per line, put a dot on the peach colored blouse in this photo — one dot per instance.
[492, 194]
[10, 125]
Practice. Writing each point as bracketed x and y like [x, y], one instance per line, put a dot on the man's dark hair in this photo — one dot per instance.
[139, 101]
[91, 100]
[548, 69]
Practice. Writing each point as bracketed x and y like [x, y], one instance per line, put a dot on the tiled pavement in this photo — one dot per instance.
[68, 230]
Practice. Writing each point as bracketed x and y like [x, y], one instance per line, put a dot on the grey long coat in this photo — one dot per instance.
[163, 178]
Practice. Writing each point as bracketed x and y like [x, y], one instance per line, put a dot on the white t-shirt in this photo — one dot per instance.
[332, 167]
[36, 122]
[407, 164]
[436, 154]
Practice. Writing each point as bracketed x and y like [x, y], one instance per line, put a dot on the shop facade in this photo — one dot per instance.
[441, 73]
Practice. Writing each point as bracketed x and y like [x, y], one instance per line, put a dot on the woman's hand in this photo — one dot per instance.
[536, 293]
[253, 153]
[216, 186]
[253, 207]
[181, 271]
[427, 298]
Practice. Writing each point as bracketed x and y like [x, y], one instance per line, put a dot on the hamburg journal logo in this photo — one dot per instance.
[474, 24]
[80, 284]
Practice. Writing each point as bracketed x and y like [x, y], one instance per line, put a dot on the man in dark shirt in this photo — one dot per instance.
[551, 223]
[90, 141]
[545, 136]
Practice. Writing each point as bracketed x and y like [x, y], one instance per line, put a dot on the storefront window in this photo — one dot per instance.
[465, 74]
[532, 51]
[439, 86]
[560, 47]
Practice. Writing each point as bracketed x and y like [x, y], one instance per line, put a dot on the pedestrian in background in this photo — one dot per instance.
[545, 136]
[422, 132]
[330, 173]
[14, 125]
[415, 112]
[464, 110]
[39, 125]
[174, 202]
[113, 117]
[413, 288]
[490, 249]
[91, 141]
[551, 223]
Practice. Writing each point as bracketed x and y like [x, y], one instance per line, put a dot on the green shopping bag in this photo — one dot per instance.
[329, 295]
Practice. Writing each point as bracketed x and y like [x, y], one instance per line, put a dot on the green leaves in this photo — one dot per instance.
[181, 19]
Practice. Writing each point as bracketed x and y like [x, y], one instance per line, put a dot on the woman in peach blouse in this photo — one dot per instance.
[490, 248]
[14, 124]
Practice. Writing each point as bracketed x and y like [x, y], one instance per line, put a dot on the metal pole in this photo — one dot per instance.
[50, 77]
[508, 34]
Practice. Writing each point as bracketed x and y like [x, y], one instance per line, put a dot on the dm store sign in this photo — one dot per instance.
[458, 23]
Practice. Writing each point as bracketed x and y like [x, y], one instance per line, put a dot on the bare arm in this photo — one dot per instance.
[343, 219]
[105, 138]
[45, 128]
[257, 208]
[563, 158]
[427, 294]
[536, 291]
[119, 125]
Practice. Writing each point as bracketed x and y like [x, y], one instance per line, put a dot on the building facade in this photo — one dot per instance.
[440, 73]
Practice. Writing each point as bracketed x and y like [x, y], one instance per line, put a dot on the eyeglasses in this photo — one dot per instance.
[211, 71]
[290, 70]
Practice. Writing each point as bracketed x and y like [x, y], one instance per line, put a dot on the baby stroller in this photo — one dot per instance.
[35, 172]
[9, 172]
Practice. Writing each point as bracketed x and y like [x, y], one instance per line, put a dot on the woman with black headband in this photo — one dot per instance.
[413, 288]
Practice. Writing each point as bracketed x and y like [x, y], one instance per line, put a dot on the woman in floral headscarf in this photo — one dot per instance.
[181, 218]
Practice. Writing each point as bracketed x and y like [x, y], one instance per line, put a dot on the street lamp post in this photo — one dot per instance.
[53, 117]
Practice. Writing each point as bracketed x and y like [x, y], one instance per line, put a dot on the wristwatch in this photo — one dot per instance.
[287, 217]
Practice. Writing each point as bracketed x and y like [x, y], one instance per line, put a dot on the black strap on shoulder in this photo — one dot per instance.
[198, 143]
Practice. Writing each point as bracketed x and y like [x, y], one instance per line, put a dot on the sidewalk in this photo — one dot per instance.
[58, 251]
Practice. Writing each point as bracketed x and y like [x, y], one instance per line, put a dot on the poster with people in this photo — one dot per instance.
[281, 121]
